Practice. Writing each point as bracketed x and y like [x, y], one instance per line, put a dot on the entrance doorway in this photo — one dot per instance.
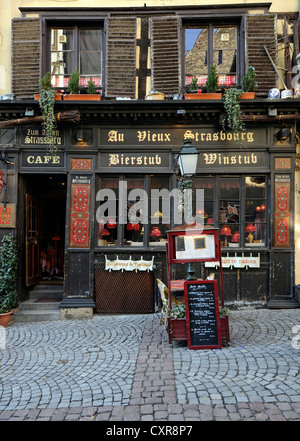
[45, 213]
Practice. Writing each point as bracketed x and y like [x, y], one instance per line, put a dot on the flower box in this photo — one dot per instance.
[83, 97]
[247, 96]
[58, 96]
[203, 96]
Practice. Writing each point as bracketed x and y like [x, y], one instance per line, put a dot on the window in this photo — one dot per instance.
[237, 206]
[76, 47]
[133, 214]
[208, 45]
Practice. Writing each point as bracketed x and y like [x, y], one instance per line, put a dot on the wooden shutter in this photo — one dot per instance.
[25, 57]
[165, 54]
[261, 31]
[121, 57]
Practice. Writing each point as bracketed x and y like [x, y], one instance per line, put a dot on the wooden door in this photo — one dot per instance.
[32, 241]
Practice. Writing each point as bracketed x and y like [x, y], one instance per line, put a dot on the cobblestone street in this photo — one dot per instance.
[122, 368]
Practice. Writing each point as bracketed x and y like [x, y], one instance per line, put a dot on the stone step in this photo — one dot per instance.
[34, 305]
[42, 305]
[36, 316]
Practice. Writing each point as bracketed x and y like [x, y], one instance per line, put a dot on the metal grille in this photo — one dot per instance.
[127, 292]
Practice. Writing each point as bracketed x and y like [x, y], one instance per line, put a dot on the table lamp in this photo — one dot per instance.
[225, 231]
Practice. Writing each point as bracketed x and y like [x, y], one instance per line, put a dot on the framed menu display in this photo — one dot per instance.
[193, 245]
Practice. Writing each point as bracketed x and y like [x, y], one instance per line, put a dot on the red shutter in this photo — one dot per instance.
[121, 57]
[25, 57]
[261, 31]
[165, 54]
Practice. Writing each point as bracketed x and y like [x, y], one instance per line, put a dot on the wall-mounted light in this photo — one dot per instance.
[283, 134]
[82, 135]
[29, 111]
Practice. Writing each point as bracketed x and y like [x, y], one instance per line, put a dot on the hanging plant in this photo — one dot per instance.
[233, 113]
[46, 101]
[8, 274]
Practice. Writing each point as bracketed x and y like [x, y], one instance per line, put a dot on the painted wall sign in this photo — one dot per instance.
[232, 159]
[175, 136]
[37, 136]
[117, 160]
[282, 211]
[34, 159]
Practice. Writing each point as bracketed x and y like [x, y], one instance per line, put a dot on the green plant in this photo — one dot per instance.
[46, 103]
[91, 86]
[193, 86]
[249, 80]
[223, 311]
[212, 79]
[74, 85]
[233, 112]
[8, 274]
[178, 311]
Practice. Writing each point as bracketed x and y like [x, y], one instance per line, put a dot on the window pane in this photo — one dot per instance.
[207, 184]
[160, 211]
[225, 61]
[134, 228]
[90, 40]
[225, 38]
[196, 54]
[229, 188]
[62, 39]
[255, 221]
[90, 63]
[107, 232]
[62, 63]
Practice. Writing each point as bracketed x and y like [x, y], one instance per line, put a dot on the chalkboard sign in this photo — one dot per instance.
[202, 314]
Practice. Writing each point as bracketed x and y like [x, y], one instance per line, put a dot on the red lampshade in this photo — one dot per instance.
[210, 220]
[235, 237]
[225, 231]
[105, 232]
[262, 207]
[134, 227]
[111, 223]
[258, 208]
[155, 232]
[250, 228]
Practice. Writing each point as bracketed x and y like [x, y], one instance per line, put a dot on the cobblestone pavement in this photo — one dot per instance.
[122, 368]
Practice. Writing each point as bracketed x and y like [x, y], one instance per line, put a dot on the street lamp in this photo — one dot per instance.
[187, 161]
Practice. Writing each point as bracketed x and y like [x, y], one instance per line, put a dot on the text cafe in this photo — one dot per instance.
[248, 183]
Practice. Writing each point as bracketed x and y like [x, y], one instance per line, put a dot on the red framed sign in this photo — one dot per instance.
[202, 314]
[193, 245]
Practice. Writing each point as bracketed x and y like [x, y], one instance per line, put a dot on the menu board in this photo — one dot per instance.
[202, 314]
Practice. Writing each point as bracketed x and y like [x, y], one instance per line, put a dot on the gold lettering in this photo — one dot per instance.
[30, 159]
[114, 136]
[113, 159]
[157, 159]
[250, 137]
[139, 160]
[141, 135]
[210, 158]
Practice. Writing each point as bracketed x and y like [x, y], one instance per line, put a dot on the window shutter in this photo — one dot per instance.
[121, 57]
[165, 54]
[261, 31]
[25, 57]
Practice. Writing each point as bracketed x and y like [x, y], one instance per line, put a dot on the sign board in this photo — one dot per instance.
[202, 314]
[193, 245]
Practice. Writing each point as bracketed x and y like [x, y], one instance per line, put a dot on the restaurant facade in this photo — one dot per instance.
[93, 215]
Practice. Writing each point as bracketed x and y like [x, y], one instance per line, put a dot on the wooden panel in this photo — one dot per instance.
[25, 57]
[121, 57]
[261, 30]
[165, 54]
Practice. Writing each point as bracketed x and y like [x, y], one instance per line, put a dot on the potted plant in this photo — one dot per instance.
[232, 119]
[73, 86]
[46, 102]
[177, 323]
[45, 84]
[193, 91]
[8, 278]
[249, 84]
[92, 91]
[212, 83]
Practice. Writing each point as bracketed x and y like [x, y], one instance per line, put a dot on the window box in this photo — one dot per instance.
[58, 96]
[247, 96]
[203, 96]
[83, 97]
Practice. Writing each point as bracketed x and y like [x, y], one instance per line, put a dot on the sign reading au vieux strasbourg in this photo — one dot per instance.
[174, 137]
